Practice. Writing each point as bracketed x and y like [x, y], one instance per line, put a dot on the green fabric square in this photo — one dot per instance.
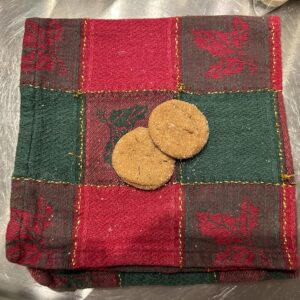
[155, 278]
[49, 137]
[243, 141]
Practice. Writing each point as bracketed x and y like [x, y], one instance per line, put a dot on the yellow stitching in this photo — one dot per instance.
[180, 217]
[177, 52]
[48, 88]
[181, 88]
[81, 139]
[274, 55]
[287, 176]
[83, 49]
[121, 185]
[78, 93]
[180, 228]
[73, 154]
[120, 279]
[232, 92]
[180, 172]
[284, 177]
[65, 183]
[128, 91]
[81, 148]
[41, 180]
[277, 125]
[231, 182]
[284, 227]
[76, 226]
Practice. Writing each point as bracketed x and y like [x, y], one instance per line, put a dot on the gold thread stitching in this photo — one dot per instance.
[83, 54]
[180, 227]
[76, 227]
[280, 153]
[287, 176]
[180, 173]
[47, 88]
[42, 180]
[177, 52]
[81, 139]
[284, 227]
[80, 91]
[231, 182]
[120, 279]
[120, 185]
[274, 55]
[232, 92]
[81, 147]
[129, 91]
[181, 88]
[277, 126]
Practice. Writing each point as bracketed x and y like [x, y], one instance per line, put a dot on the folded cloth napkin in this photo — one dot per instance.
[228, 214]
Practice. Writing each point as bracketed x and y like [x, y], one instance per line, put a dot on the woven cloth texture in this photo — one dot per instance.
[227, 214]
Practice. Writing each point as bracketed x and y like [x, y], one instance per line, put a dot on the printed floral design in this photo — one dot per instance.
[120, 122]
[40, 47]
[234, 234]
[228, 47]
[25, 235]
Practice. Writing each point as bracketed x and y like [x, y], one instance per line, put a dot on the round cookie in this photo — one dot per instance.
[139, 162]
[143, 187]
[178, 128]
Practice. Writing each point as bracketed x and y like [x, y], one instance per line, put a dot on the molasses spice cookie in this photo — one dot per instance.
[178, 128]
[139, 162]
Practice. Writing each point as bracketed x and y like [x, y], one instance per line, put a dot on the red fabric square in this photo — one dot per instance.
[108, 117]
[130, 54]
[126, 226]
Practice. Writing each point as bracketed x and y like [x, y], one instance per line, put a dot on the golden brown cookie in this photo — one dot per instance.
[139, 162]
[178, 128]
[143, 187]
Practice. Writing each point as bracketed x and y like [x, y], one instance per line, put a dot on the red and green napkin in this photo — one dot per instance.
[228, 214]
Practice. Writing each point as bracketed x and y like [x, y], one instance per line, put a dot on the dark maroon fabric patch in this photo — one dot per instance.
[225, 53]
[51, 53]
[40, 230]
[233, 226]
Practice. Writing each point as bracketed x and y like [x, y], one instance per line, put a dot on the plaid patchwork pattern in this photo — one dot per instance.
[227, 214]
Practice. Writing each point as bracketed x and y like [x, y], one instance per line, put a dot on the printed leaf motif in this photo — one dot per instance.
[42, 217]
[234, 234]
[229, 47]
[25, 235]
[40, 47]
[120, 122]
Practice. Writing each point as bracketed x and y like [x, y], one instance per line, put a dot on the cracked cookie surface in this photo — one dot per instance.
[139, 162]
[178, 128]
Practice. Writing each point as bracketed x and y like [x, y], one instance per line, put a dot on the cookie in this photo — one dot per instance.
[178, 128]
[143, 187]
[139, 162]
